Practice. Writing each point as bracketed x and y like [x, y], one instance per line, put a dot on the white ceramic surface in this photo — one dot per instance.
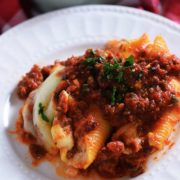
[58, 35]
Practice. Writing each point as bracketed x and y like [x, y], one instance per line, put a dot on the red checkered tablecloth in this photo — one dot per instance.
[13, 12]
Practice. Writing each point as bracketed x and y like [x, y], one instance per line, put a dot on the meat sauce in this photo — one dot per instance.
[32, 80]
[36, 150]
[136, 90]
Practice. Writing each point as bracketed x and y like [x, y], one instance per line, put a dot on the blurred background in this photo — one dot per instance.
[13, 12]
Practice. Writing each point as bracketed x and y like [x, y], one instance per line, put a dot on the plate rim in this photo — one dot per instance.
[118, 8]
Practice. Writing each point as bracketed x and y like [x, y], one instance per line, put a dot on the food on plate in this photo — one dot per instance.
[104, 112]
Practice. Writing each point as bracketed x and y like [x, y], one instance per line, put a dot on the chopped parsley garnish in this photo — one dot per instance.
[129, 61]
[41, 113]
[119, 98]
[101, 58]
[113, 96]
[110, 70]
[115, 71]
[119, 77]
[93, 52]
[116, 61]
[116, 96]
[91, 61]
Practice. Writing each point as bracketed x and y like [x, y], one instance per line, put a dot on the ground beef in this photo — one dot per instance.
[86, 125]
[112, 164]
[37, 151]
[46, 71]
[29, 82]
[143, 89]
[116, 147]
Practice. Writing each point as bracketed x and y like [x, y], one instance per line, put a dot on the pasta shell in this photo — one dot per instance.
[43, 96]
[90, 144]
[62, 136]
[126, 48]
[165, 125]
[27, 113]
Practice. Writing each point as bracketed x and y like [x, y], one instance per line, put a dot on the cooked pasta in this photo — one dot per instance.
[103, 112]
[62, 136]
[165, 125]
[42, 98]
[27, 113]
[89, 144]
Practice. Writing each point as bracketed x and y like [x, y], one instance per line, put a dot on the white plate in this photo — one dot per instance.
[59, 35]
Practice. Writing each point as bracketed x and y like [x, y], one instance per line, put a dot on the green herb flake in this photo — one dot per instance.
[90, 61]
[113, 96]
[115, 60]
[107, 68]
[119, 98]
[119, 77]
[41, 113]
[93, 52]
[101, 58]
[111, 70]
[116, 64]
[129, 61]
